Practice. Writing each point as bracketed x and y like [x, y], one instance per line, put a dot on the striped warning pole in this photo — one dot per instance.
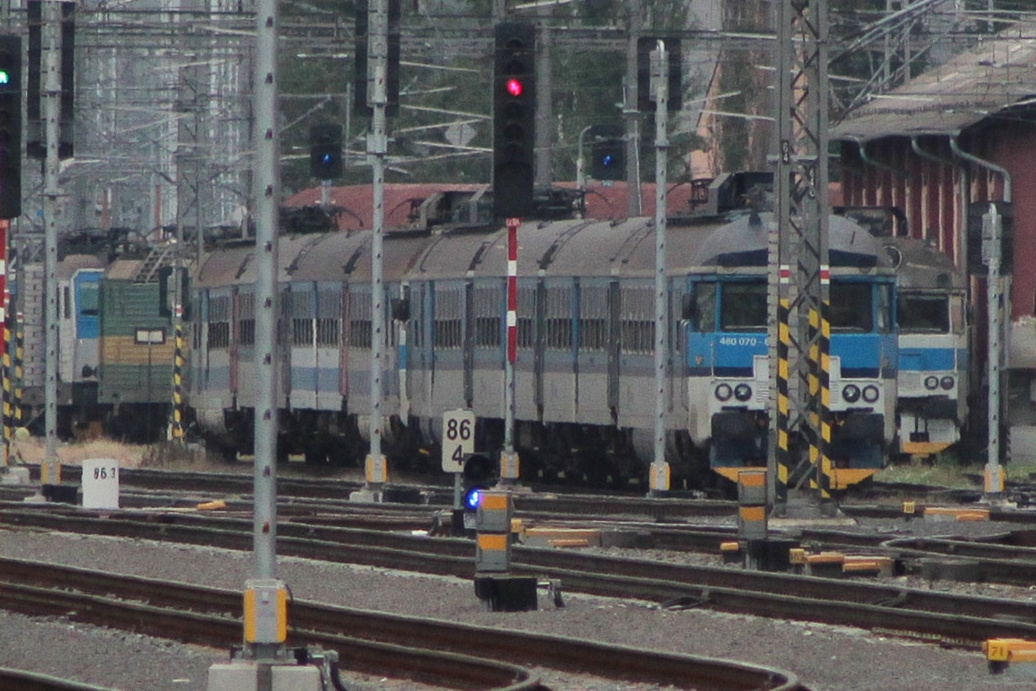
[823, 344]
[509, 466]
[782, 420]
[5, 226]
[176, 431]
[8, 379]
[18, 362]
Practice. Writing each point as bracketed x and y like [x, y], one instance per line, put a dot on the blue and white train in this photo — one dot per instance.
[931, 310]
[585, 393]
[728, 354]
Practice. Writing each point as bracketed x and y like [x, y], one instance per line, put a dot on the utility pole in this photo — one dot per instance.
[630, 112]
[50, 472]
[660, 472]
[376, 465]
[544, 105]
[799, 274]
[191, 104]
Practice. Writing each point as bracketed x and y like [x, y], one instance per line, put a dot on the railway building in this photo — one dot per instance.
[940, 148]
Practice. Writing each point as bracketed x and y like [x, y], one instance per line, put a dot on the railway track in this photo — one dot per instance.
[310, 492]
[445, 653]
[950, 619]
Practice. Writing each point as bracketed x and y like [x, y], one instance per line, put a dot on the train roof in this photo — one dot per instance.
[72, 263]
[560, 248]
[920, 264]
[743, 242]
[313, 257]
[338, 256]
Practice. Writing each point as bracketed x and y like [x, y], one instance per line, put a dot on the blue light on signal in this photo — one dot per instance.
[473, 498]
[608, 160]
[4, 78]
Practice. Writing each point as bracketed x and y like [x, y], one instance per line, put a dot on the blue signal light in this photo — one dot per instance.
[608, 160]
[5, 78]
[472, 498]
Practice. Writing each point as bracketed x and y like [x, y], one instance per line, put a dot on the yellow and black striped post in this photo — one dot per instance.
[18, 376]
[826, 474]
[8, 389]
[176, 428]
[782, 418]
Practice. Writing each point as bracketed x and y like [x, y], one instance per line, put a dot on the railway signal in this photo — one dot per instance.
[514, 118]
[325, 152]
[609, 158]
[645, 92]
[10, 126]
[478, 476]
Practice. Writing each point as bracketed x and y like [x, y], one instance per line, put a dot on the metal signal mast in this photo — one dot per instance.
[799, 275]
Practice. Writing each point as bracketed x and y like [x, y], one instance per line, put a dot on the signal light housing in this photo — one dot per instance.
[514, 119]
[10, 126]
[608, 159]
[325, 152]
[479, 474]
[673, 72]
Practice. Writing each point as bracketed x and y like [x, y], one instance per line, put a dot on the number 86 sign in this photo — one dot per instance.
[458, 438]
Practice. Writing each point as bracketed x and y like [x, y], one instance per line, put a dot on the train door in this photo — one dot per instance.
[489, 303]
[241, 352]
[614, 345]
[300, 382]
[558, 395]
[447, 346]
[594, 352]
[328, 342]
[343, 346]
[637, 342]
[359, 345]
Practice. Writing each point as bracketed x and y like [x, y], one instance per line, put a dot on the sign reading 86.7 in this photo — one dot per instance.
[458, 438]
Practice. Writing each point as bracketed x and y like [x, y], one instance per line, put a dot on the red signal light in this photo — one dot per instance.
[514, 87]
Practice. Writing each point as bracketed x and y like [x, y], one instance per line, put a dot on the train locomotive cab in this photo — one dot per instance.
[726, 313]
[933, 353]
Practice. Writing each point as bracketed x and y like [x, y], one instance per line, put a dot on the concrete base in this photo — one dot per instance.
[505, 593]
[1014, 670]
[244, 676]
[768, 555]
[14, 476]
[61, 494]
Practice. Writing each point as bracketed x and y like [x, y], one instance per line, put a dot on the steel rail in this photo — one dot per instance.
[953, 619]
[315, 622]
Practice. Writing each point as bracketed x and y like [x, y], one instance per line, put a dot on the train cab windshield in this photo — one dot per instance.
[741, 306]
[923, 313]
[853, 308]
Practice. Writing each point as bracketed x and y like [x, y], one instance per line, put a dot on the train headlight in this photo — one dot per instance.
[723, 392]
[871, 393]
[742, 392]
[946, 383]
[851, 393]
[931, 383]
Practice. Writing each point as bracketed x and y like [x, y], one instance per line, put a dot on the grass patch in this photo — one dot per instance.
[947, 471]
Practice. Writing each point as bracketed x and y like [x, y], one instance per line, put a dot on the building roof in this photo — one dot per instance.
[991, 80]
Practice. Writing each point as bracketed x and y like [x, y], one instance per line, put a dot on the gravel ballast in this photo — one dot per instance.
[823, 657]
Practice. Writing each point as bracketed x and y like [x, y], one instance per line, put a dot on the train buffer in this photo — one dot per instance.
[1011, 656]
